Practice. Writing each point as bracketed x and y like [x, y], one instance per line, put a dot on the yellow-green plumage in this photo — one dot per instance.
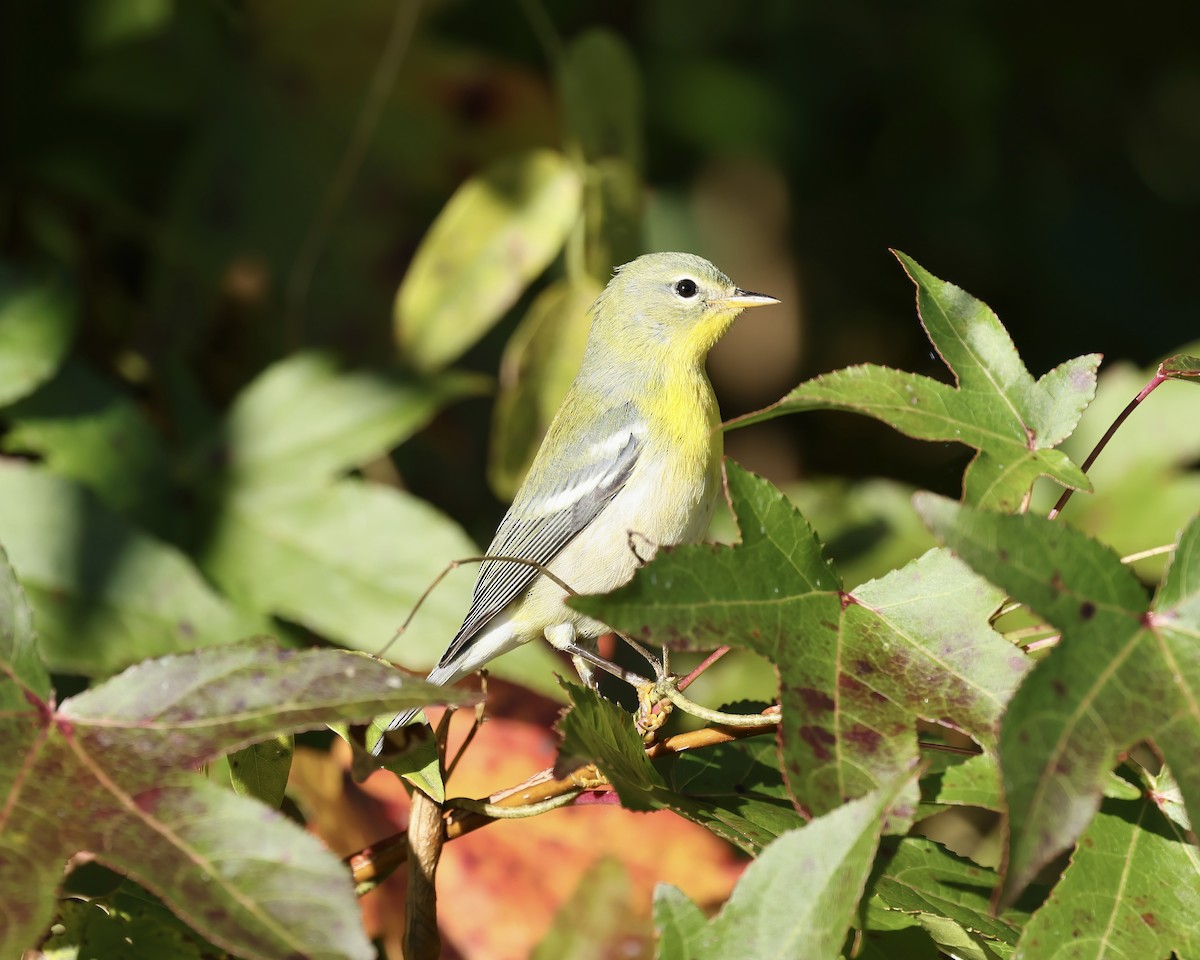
[631, 461]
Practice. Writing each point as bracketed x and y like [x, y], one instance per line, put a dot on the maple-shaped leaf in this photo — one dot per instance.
[996, 406]
[856, 668]
[1133, 885]
[105, 773]
[1124, 671]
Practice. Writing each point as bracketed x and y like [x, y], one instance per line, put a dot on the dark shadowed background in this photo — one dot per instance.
[179, 161]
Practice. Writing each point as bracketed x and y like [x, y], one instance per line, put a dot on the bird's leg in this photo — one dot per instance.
[658, 666]
[562, 637]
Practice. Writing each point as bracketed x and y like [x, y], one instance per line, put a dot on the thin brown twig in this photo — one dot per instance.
[1157, 380]
[948, 748]
[707, 662]
[372, 864]
[454, 565]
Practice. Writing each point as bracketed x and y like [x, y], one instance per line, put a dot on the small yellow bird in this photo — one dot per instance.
[631, 462]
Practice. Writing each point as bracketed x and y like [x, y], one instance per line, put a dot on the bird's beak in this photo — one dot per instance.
[744, 298]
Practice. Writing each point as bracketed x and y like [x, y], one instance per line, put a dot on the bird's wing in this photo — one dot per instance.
[545, 517]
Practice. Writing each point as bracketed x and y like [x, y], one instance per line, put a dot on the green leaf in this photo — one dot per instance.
[749, 808]
[996, 406]
[678, 922]
[37, 323]
[869, 527]
[798, 897]
[211, 701]
[1132, 890]
[350, 561]
[242, 875]
[98, 929]
[1121, 673]
[1145, 486]
[303, 422]
[105, 594]
[500, 230]
[962, 944]
[855, 669]
[596, 730]
[261, 770]
[18, 646]
[736, 790]
[602, 96]
[922, 878]
[87, 430]
[1181, 367]
[538, 365]
[101, 774]
[975, 783]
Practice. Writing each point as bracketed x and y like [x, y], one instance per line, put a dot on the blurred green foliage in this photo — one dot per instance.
[181, 161]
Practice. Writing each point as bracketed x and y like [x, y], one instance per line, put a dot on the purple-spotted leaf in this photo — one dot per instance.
[179, 711]
[856, 669]
[1132, 890]
[103, 773]
[1122, 673]
[996, 406]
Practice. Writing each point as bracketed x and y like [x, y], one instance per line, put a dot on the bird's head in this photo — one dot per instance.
[670, 301]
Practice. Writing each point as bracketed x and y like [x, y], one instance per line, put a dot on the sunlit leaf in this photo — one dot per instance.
[303, 421]
[1132, 890]
[1145, 486]
[741, 802]
[798, 897]
[494, 236]
[350, 561]
[975, 783]
[1120, 674]
[678, 923]
[1013, 421]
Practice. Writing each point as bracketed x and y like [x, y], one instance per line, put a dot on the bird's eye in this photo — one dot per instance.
[686, 288]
